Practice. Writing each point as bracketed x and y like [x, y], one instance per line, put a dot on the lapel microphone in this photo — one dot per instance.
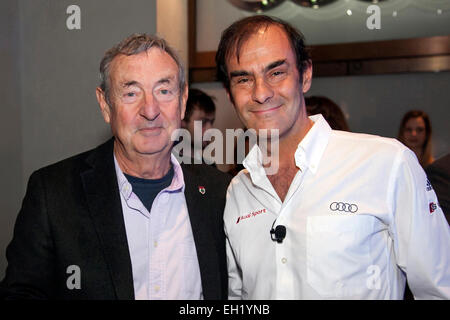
[278, 234]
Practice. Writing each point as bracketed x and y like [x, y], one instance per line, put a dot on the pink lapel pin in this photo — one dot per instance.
[201, 189]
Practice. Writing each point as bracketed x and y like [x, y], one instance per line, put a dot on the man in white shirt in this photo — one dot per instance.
[345, 216]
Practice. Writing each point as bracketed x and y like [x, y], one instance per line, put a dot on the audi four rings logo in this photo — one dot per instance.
[342, 206]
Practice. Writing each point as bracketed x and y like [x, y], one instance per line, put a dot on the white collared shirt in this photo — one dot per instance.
[162, 249]
[359, 215]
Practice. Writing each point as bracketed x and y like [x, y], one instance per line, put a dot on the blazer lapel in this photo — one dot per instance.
[102, 193]
[204, 242]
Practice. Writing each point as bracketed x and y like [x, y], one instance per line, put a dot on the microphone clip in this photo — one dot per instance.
[278, 234]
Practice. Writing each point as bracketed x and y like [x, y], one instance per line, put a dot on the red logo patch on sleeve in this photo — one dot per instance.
[433, 207]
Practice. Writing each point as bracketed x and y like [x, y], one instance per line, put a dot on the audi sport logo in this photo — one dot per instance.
[345, 207]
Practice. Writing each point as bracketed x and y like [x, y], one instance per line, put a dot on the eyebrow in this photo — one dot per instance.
[275, 64]
[130, 83]
[240, 73]
[136, 83]
[165, 80]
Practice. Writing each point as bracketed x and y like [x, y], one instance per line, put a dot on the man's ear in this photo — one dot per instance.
[104, 106]
[307, 76]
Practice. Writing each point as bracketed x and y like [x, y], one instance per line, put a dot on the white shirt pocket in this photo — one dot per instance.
[338, 254]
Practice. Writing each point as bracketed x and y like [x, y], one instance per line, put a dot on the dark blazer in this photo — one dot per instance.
[439, 175]
[72, 215]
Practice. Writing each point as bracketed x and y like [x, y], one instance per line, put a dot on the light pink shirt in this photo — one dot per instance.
[162, 249]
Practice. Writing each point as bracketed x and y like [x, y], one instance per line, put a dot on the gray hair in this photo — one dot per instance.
[135, 44]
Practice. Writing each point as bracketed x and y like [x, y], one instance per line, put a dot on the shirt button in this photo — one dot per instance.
[284, 260]
[157, 288]
[155, 244]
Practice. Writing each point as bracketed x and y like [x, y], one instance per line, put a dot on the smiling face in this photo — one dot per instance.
[265, 85]
[147, 104]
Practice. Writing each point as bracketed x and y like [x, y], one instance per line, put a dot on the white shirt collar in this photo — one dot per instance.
[311, 148]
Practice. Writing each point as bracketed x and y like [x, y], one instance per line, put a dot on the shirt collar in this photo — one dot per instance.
[311, 148]
[308, 153]
[177, 183]
[253, 162]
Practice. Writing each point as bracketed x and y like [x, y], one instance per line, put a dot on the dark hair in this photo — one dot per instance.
[234, 37]
[197, 99]
[329, 110]
[135, 44]
[427, 155]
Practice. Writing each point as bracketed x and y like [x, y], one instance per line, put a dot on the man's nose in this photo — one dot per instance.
[150, 107]
[262, 91]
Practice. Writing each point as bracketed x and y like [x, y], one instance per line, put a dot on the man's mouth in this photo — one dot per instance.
[266, 110]
[150, 131]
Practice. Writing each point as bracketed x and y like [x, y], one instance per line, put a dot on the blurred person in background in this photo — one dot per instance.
[415, 133]
[329, 110]
[199, 107]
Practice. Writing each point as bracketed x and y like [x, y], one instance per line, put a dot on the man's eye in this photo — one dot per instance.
[242, 80]
[130, 96]
[277, 73]
[165, 94]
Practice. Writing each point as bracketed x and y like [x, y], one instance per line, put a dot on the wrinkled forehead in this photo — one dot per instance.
[154, 63]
